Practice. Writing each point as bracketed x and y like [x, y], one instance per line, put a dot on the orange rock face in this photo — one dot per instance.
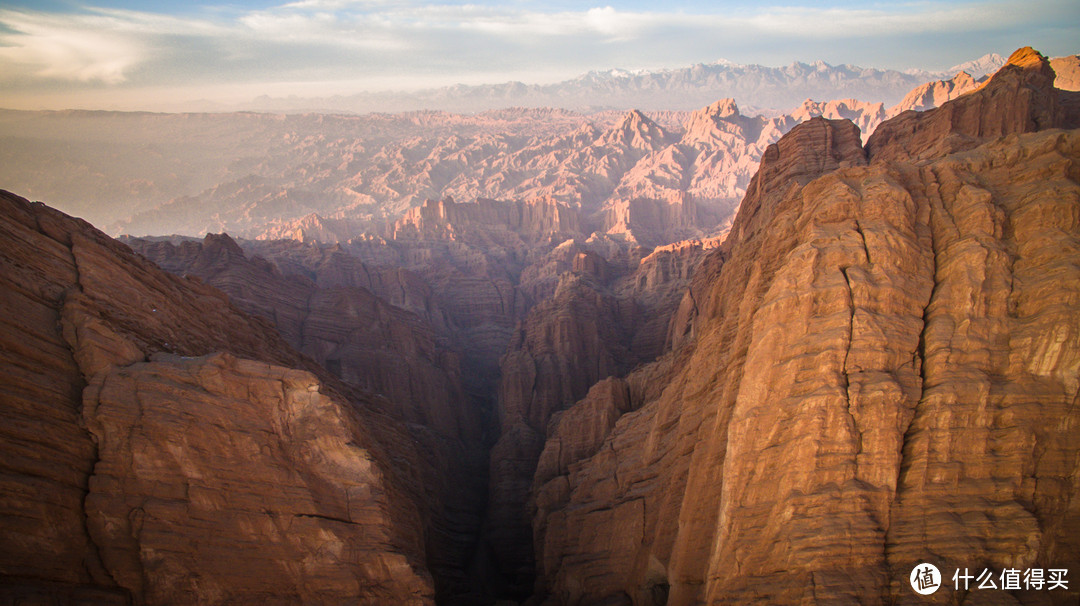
[220, 479]
[882, 370]
[370, 344]
[878, 366]
[138, 462]
[934, 94]
[1020, 98]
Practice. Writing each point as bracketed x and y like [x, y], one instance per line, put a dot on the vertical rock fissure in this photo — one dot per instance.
[862, 238]
[302, 329]
[97, 562]
[856, 432]
[919, 358]
[94, 565]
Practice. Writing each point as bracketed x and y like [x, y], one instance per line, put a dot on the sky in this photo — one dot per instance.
[122, 54]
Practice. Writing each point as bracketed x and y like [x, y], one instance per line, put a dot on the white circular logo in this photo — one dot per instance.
[925, 579]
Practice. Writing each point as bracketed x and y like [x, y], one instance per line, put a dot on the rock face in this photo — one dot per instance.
[864, 115]
[162, 446]
[225, 480]
[370, 344]
[360, 338]
[881, 368]
[878, 366]
[1067, 72]
[488, 223]
[934, 94]
[1022, 99]
[600, 321]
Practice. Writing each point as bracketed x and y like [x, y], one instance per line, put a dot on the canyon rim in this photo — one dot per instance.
[542, 356]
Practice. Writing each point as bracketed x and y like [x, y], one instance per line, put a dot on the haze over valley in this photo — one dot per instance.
[714, 334]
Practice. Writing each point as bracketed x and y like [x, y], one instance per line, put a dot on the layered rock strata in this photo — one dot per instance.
[372, 345]
[881, 368]
[161, 446]
[602, 318]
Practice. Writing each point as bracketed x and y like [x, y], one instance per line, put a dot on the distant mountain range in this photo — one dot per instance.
[688, 88]
[651, 177]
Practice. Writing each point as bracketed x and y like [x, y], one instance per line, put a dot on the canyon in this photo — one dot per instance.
[333, 177]
[540, 357]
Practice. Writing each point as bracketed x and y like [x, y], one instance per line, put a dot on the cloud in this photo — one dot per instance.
[819, 23]
[64, 48]
[366, 41]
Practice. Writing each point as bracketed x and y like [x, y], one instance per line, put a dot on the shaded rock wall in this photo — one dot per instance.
[371, 345]
[601, 320]
[137, 461]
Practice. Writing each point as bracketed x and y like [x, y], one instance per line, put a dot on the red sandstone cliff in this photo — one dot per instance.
[882, 369]
[878, 367]
[160, 444]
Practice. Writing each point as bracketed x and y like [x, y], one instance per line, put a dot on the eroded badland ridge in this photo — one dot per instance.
[589, 385]
[332, 177]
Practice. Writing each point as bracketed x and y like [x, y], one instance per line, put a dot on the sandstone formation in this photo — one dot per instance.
[1067, 72]
[162, 446]
[880, 368]
[1022, 99]
[650, 179]
[488, 223]
[863, 114]
[602, 319]
[559, 368]
[347, 329]
[933, 94]
[370, 344]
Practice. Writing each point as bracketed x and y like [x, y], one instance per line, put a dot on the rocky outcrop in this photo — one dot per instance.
[882, 370]
[863, 114]
[1020, 98]
[602, 319]
[1066, 72]
[313, 228]
[371, 345]
[543, 371]
[345, 329]
[228, 480]
[488, 223]
[934, 94]
[164, 446]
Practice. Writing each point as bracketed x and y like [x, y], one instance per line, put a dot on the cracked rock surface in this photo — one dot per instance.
[883, 369]
[160, 446]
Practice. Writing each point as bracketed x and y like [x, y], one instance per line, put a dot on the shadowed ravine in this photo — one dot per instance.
[877, 364]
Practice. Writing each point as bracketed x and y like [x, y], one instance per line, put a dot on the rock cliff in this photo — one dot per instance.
[879, 365]
[934, 94]
[601, 319]
[369, 344]
[1020, 98]
[162, 446]
[881, 368]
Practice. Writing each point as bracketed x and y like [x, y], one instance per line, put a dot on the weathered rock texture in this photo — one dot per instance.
[359, 337]
[1022, 99]
[225, 480]
[370, 344]
[600, 321]
[139, 462]
[934, 94]
[881, 367]
[1067, 72]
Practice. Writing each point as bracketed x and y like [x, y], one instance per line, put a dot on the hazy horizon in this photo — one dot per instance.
[118, 54]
